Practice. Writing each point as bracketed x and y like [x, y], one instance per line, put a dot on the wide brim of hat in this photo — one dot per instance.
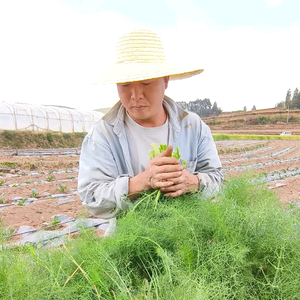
[130, 72]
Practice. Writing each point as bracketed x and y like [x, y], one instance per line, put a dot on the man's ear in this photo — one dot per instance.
[166, 81]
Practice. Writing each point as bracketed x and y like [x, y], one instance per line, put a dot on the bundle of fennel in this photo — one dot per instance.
[152, 153]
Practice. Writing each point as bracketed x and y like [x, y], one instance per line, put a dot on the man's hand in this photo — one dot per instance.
[172, 182]
[161, 172]
[186, 183]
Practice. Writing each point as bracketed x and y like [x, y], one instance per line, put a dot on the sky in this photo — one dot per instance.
[52, 51]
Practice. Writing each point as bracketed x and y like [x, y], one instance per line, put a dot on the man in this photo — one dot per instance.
[114, 165]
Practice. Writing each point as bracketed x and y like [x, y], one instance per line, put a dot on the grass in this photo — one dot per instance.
[221, 137]
[241, 245]
[10, 165]
[10, 139]
[224, 150]
[26, 139]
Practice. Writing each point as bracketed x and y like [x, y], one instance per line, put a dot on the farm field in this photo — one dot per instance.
[272, 121]
[36, 186]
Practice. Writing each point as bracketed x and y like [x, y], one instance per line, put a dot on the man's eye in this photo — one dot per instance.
[125, 85]
[146, 83]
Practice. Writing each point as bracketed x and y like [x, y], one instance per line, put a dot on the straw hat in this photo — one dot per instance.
[140, 56]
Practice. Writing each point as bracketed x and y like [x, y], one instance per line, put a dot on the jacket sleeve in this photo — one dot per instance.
[101, 188]
[208, 167]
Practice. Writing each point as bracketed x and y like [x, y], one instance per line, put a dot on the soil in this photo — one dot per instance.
[287, 189]
[263, 122]
[21, 176]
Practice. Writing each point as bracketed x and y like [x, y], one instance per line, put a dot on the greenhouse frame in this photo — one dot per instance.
[19, 116]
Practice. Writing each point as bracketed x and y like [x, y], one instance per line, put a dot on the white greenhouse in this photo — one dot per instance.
[17, 116]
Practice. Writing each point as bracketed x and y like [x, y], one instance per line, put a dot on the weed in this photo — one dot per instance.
[2, 182]
[214, 122]
[80, 134]
[9, 164]
[29, 165]
[25, 138]
[7, 232]
[49, 137]
[66, 135]
[237, 120]
[263, 120]
[9, 134]
[241, 149]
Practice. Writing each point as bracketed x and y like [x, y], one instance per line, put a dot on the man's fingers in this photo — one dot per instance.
[169, 175]
[167, 152]
[165, 158]
[163, 184]
[164, 161]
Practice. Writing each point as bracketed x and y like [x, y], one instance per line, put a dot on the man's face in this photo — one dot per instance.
[143, 100]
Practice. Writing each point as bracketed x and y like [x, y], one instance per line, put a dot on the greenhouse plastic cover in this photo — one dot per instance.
[17, 116]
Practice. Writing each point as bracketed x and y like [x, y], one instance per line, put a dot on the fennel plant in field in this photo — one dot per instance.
[242, 245]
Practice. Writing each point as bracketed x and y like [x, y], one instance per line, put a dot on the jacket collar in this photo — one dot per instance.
[116, 115]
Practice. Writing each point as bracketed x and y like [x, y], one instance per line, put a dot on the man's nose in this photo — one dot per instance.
[136, 92]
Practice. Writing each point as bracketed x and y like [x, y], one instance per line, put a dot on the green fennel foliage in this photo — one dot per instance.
[242, 245]
[157, 150]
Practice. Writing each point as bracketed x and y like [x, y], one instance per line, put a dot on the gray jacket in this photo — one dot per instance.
[105, 163]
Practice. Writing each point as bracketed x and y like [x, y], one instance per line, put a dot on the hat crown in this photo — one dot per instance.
[140, 46]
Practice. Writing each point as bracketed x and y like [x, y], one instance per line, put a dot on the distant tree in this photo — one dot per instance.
[288, 99]
[280, 104]
[295, 95]
[183, 104]
[216, 110]
[298, 101]
[206, 104]
[253, 108]
[203, 108]
[200, 107]
[295, 103]
[245, 108]
[195, 106]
